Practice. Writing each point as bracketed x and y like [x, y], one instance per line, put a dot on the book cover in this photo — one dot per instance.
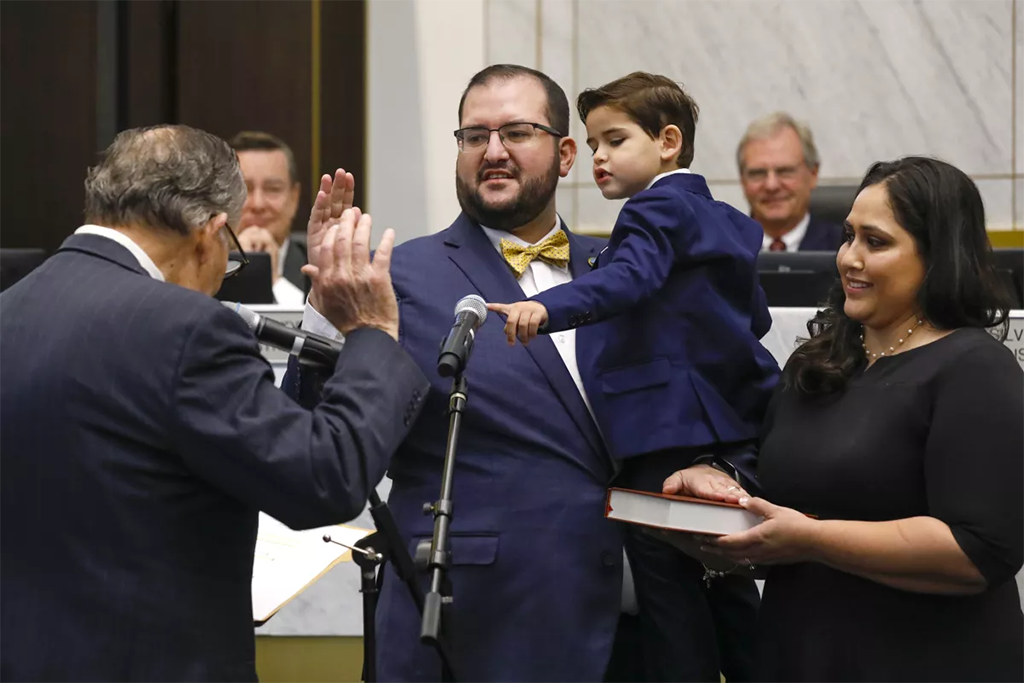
[678, 513]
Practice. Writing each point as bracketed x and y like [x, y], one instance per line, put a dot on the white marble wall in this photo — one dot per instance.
[875, 79]
[420, 55]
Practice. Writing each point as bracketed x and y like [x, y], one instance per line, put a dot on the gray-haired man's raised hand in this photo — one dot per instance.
[336, 195]
[352, 290]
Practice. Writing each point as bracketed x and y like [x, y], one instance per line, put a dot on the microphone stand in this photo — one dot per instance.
[374, 550]
[370, 554]
[439, 556]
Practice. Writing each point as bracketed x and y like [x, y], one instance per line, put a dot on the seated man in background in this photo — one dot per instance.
[271, 177]
[778, 165]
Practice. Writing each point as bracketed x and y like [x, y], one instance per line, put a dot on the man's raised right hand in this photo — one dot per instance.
[336, 196]
[352, 291]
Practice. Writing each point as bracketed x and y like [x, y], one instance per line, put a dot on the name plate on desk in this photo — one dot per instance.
[1015, 336]
[788, 324]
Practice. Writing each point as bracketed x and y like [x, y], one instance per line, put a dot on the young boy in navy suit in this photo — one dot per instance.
[670, 320]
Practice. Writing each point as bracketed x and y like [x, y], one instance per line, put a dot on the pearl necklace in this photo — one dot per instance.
[892, 349]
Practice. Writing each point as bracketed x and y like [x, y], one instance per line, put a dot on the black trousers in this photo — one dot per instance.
[685, 629]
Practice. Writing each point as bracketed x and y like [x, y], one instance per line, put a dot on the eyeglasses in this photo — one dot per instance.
[759, 175]
[512, 135]
[236, 258]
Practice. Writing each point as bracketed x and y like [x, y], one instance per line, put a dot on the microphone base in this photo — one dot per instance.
[388, 545]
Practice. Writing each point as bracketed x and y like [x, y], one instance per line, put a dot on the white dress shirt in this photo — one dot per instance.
[287, 294]
[126, 242]
[793, 238]
[282, 253]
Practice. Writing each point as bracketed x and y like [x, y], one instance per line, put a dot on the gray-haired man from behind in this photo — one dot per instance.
[142, 431]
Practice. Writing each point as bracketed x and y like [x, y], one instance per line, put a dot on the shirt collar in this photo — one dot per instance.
[666, 173]
[496, 236]
[793, 238]
[125, 241]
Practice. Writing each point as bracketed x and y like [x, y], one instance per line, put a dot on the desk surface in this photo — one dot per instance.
[789, 324]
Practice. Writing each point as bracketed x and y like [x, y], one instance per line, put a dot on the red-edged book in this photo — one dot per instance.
[678, 513]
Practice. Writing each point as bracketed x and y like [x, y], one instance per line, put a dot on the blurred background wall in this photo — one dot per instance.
[373, 85]
[875, 79]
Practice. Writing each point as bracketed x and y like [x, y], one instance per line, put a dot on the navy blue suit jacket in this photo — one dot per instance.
[537, 569]
[821, 236]
[142, 433]
[670, 357]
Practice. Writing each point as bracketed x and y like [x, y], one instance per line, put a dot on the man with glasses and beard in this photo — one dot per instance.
[536, 569]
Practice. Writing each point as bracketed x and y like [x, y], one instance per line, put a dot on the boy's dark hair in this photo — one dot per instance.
[652, 101]
[258, 141]
[558, 103]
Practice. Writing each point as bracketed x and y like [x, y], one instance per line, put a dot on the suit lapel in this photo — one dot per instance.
[580, 255]
[817, 237]
[296, 257]
[475, 256]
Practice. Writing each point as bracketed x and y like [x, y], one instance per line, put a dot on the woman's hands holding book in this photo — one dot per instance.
[785, 536]
[704, 481]
[694, 546]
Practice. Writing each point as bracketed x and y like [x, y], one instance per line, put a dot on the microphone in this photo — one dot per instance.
[306, 346]
[470, 313]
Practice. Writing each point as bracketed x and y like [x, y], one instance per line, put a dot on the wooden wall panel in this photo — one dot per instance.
[219, 65]
[343, 91]
[247, 66]
[148, 63]
[47, 119]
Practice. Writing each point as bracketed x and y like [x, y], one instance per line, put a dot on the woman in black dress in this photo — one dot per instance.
[900, 426]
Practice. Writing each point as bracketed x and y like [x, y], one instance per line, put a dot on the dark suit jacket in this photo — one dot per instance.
[537, 570]
[142, 432]
[821, 236]
[296, 257]
[669, 354]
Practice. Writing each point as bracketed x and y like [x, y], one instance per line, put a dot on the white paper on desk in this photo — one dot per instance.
[287, 562]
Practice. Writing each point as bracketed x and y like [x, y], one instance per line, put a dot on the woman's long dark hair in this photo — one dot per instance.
[942, 210]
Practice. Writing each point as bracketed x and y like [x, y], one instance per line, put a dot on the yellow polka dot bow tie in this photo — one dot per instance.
[554, 250]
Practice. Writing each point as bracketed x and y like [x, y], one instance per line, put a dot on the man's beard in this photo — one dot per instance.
[533, 197]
